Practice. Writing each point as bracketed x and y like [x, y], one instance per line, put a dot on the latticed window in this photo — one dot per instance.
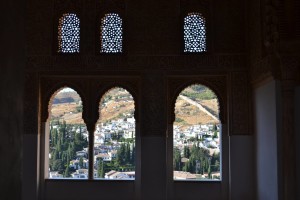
[194, 33]
[68, 33]
[111, 34]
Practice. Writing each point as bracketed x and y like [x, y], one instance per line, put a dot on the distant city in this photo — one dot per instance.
[196, 137]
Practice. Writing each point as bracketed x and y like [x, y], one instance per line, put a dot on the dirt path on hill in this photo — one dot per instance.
[198, 105]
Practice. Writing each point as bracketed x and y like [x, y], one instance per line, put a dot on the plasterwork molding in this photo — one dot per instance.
[100, 63]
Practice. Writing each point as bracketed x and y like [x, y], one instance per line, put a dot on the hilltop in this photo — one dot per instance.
[66, 97]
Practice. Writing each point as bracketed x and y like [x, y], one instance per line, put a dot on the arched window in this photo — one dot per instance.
[114, 137]
[194, 33]
[67, 137]
[197, 135]
[68, 33]
[111, 33]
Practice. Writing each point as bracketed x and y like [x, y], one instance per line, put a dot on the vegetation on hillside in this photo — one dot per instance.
[65, 141]
[198, 92]
[208, 164]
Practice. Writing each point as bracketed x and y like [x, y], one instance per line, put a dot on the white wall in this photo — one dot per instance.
[266, 101]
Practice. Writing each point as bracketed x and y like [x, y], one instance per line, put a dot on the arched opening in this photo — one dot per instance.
[67, 137]
[114, 137]
[68, 33]
[197, 135]
[194, 33]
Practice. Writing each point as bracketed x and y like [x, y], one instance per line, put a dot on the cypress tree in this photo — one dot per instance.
[127, 153]
[67, 172]
[81, 163]
[133, 156]
[100, 170]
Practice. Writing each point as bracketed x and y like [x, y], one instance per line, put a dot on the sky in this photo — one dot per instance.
[67, 89]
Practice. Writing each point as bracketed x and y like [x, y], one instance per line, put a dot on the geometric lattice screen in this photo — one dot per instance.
[194, 33]
[68, 33]
[111, 34]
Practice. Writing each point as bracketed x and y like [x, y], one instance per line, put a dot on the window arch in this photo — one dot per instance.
[194, 33]
[111, 34]
[114, 136]
[68, 33]
[67, 137]
[197, 135]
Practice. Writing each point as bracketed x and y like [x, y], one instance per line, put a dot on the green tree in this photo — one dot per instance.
[188, 167]
[67, 172]
[186, 152]
[100, 170]
[209, 172]
[57, 165]
[54, 137]
[121, 155]
[176, 159]
[133, 156]
[79, 108]
[81, 163]
[127, 154]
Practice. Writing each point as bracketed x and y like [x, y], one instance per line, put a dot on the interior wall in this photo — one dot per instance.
[80, 189]
[297, 133]
[267, 129]
[11, 97]
[30, 167]
[153, 41]
[242, 168]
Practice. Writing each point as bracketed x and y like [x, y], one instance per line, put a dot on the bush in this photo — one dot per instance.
[178, 120]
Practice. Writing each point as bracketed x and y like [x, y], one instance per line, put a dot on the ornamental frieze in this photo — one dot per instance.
[104, 63]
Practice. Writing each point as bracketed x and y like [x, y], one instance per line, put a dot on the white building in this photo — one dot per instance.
[55, 174]
[119, 175]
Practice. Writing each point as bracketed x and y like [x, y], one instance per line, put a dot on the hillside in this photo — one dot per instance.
[118, 103]
[115, 104]
[196, 105]
[66, 97]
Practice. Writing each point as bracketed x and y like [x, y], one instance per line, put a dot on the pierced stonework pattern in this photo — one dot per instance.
[194, 33]
[68, 33]
[111, 34]
[270, 24]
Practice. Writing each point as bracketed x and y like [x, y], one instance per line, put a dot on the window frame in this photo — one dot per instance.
[55, 44]
[205, 13]
[100, 34]
[178, 188]
[104, 85]
[205, 35]
[220, 123]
